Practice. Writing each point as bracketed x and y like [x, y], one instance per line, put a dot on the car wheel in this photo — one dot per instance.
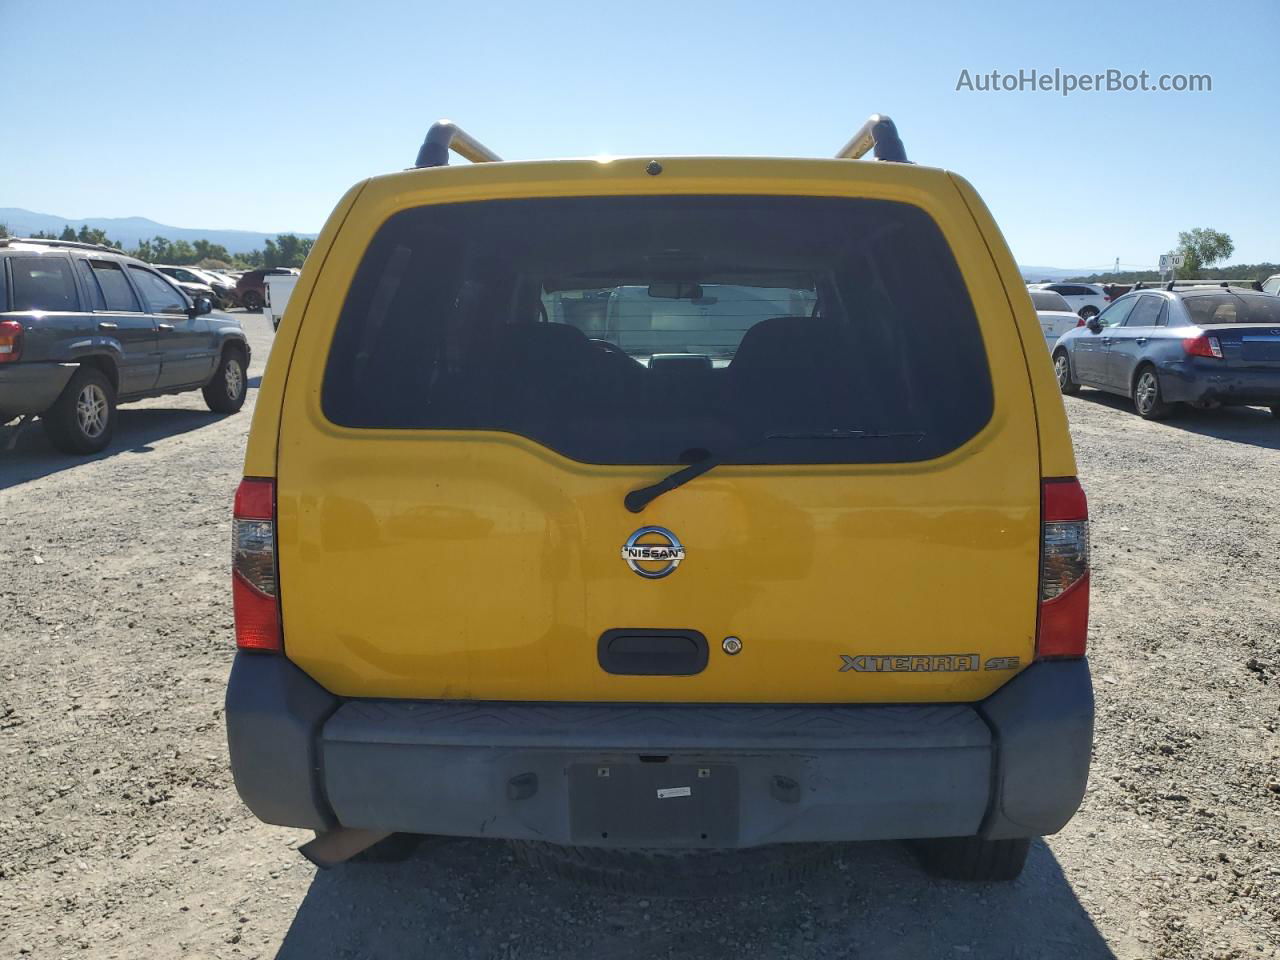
[252, 300]
[83, 417]
[226, 391]
[1148, 401]
[972, 858]
[1062, 369]
[1087, 312]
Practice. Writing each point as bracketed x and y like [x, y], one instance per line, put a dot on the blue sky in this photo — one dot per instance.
[258, 115]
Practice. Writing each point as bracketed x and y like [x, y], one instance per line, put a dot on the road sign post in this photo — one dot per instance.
[1170, 262]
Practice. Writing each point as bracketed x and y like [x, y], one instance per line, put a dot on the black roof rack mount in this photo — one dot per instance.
[445, 135]
[879, 135]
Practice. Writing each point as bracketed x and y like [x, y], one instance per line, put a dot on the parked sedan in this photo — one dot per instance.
[251, 287]
[1086, 299]
[1056, 315]
[197, 290]
[223, 292]
[1205, 346]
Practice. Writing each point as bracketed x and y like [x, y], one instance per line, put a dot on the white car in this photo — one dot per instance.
[1271, 284]
[1056, 315]
[1086, 299]
[276, 291]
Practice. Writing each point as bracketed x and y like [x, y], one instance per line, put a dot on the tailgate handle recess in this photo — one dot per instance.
[651, 652]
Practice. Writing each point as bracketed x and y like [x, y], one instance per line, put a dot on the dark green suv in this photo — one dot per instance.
[83, 327]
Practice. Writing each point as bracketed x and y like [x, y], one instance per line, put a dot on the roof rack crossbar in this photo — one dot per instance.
[1242, 284]
[879, 135]
[445, 135]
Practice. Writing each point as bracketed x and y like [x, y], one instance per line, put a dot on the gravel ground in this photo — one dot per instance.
[121, 834]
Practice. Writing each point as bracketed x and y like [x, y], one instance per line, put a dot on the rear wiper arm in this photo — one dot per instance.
[636, 500]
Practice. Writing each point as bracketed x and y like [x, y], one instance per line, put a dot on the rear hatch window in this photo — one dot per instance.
[1233, 308]
[660, 330]
[1048, 300]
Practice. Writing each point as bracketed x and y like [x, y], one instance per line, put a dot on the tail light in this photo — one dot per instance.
[1063, 624]
[1202, 346]
[1080, 322]
[1106, 298]
[254, 589]
[10, 341]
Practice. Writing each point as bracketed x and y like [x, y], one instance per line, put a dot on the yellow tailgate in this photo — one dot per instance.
[447, 564]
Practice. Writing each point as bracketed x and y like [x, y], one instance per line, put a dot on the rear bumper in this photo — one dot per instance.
[1014, 765]
[32, 387]
[1208, 381]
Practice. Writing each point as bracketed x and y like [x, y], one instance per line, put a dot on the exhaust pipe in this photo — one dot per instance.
[333, 847]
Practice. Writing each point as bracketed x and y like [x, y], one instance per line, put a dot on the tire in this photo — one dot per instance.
[1062, 370]
[252, 301]
[1148, 400]
[1087, 312]
[682, 874]
[225, 393]
[83, 418]
[972, 858]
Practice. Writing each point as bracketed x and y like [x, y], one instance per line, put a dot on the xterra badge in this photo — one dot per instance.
[923, 663]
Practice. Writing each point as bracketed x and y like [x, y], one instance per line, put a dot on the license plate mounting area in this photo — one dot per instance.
[635, 804]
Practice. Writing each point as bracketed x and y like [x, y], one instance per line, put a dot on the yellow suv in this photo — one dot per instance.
[662, 503]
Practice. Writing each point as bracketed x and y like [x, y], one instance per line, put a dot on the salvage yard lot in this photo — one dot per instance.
[121, 834]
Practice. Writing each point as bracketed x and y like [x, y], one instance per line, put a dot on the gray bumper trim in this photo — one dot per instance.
[32, 387]
[274, 716]
[1042, 722]
[1013, 765]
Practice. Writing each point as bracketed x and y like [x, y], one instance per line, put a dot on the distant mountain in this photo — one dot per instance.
[1036, 274]
[129, 230]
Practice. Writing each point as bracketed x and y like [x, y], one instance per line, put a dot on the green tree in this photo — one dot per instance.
[86, 235]
[204, 250]
[4, 230]
[68, 233]
[1201, 248]
[287, 250]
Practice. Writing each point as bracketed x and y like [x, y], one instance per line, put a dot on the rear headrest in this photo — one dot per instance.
[781, 343]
